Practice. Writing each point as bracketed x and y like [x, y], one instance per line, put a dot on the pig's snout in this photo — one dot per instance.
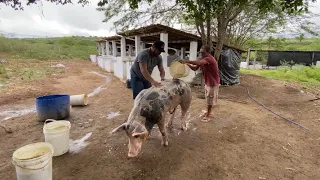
[133, 153]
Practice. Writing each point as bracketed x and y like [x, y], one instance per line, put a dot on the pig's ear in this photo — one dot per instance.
[122, 127]
[139, 131]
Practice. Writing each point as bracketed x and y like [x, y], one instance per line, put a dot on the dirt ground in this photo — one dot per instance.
[242, 141]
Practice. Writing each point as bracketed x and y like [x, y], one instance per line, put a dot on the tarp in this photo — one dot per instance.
[229, 67]
[305, 58]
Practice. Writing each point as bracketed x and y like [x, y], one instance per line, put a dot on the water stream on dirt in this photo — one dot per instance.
[15, 112]
[22, 110]
[77, 145]
[100, 88]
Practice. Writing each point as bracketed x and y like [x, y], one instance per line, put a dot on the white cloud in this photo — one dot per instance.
[49, 19]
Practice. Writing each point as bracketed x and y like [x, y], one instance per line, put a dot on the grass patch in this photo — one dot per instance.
[3, 74]
[304, 74]
[48, 48]
[25, 70]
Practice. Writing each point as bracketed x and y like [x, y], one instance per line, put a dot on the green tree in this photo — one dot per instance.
[204, 13]
[300, 37]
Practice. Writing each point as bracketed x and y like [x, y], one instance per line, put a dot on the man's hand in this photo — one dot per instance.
[155, 83]
[181, 61]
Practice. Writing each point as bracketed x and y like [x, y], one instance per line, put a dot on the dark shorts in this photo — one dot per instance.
[138, 84]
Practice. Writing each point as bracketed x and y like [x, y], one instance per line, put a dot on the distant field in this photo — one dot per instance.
[48, 48]
[307, 77]
[308, 44]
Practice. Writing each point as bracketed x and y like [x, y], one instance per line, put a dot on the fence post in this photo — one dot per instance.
[313, 58]
[248, 58]
[255, 58]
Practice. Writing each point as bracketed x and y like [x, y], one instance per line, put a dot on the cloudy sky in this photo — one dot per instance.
[58, 20]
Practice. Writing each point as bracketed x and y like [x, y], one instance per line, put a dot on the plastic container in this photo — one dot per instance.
[34, 161]
[179, 70]
[79, 100]
[55, 106]
[57, 134]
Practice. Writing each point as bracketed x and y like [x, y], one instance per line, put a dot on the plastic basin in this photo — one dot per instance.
[56, 106]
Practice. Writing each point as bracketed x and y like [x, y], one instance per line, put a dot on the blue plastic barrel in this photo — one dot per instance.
[56, 106]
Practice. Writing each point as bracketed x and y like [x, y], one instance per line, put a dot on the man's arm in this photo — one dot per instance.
[194, 68]
[145, 73]
[161, 69]
[162, 72]
[197, 63]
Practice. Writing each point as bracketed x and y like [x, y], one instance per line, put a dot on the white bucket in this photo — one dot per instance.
[79, 100]
[34, 161]
[57, 134]
[178, 70]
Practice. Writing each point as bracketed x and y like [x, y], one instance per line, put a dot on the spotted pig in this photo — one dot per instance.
[150, 108]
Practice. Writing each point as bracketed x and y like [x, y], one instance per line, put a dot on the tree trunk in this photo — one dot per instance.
[209, 39]
[201, 30]
[222, 28]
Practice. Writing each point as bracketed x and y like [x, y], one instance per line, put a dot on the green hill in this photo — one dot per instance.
[48, 48]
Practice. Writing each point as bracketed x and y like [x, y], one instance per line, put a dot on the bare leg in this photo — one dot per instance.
[207, 115]
[161, 125]
[209, 107]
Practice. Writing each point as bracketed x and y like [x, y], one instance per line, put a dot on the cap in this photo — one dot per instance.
[159, 45]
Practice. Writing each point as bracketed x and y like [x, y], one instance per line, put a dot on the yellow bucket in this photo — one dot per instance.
[179, 70]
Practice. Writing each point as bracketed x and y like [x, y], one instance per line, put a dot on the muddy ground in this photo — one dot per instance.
[242, 141]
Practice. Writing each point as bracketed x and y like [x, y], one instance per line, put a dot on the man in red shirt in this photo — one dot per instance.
[209, 67]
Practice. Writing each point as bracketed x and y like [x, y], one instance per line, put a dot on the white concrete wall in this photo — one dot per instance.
[129, 64]
[109, 64]
[120, 69]
[103, 61]
[243, 64]
[93, 58]
[318, 64]
[99, 61]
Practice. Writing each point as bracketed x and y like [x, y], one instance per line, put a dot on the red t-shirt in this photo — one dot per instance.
[210, 71]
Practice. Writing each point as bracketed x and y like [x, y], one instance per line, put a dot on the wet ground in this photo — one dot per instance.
[242, 141]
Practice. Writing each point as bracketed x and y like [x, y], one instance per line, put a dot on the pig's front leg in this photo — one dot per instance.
[161, 125]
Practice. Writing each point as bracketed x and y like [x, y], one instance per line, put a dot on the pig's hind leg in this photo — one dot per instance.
[185, 105]
[163, 130]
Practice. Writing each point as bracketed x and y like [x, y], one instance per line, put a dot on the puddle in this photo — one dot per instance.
[8, 114]
[101, 75]
[77, 145]
[113, 115]
[100, 88]
[58, 65]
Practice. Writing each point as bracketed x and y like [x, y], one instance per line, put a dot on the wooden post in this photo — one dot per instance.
[107, 48]
[137, 44]
[164, 38]
[248, 58]
[255, 58]
[130, 50]
[313, 58]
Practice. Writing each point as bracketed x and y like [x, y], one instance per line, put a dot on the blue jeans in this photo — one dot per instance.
[138, 84]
